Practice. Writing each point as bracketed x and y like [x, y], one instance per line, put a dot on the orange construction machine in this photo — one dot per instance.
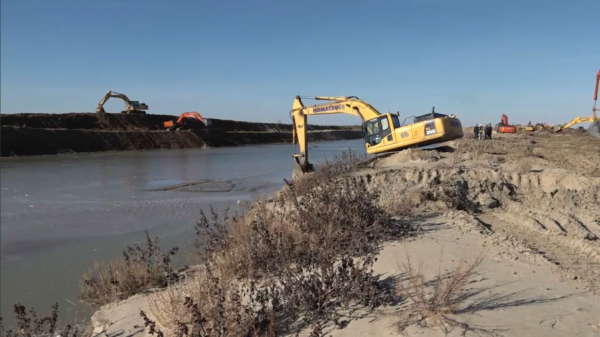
[186, 120]
[504, 127]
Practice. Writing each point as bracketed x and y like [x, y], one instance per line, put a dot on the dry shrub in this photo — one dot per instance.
[140, 269]
[246, 246]
[318, 294]
[344, 163]
[209, 304]
[433, 301]
[29, 325]
[315, 252]
[327, 171]
[335, 219]
[456, 196]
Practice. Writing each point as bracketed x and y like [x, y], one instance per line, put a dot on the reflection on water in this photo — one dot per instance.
[60, 213]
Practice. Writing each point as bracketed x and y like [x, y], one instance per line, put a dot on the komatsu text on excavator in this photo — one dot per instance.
[130, 106]
[382, 132]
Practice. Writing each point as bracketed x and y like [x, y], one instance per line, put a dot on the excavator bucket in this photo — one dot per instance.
[594, 129]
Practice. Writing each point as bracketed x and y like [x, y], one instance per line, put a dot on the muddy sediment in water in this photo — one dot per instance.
[41, 134]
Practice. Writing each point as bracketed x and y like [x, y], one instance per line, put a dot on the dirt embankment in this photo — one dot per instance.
[536, 196]
[39, 134]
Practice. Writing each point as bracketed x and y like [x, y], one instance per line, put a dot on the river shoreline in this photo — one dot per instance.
[50, 134]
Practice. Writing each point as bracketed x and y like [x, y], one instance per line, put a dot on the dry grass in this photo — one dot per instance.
[208, 304]
[141, 268]
[327, 171]
[29, 325]
[335, 219]
[312, 255]
[433, 301]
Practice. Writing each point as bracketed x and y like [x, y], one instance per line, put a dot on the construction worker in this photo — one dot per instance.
[488, 131]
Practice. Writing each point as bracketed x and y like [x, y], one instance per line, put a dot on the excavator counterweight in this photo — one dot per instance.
[382, 132]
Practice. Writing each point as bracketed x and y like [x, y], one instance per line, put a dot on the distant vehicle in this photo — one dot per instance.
[185, 121]
[504, 127]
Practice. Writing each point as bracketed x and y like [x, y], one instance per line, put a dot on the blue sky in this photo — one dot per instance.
[246, 60]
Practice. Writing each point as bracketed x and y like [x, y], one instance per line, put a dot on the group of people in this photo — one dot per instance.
[483, 131]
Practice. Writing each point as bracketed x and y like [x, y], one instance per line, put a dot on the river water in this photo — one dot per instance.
[61, 213]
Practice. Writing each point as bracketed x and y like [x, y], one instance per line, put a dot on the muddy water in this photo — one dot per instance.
[61, 213]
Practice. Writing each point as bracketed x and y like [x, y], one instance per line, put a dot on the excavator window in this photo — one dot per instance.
[395, 121]
[385, 125]
[373, 132]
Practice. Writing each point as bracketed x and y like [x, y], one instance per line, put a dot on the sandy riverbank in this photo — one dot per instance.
[530, 201]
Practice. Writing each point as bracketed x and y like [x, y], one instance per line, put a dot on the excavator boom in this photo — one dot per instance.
[383, 132]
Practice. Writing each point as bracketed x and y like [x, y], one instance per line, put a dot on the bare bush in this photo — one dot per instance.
[315, 251]
[327, 171]
[344, 163]
[29, 325]
[320, 293]
[433, 301]
[335, 219]
[209, 304]
[141, 268]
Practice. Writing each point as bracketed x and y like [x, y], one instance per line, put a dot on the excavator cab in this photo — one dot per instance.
[378, 129]
[136, 105]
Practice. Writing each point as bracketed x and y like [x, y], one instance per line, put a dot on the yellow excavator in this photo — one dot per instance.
[594, 128]
[130, 106]
[382, 132]
[538, 127]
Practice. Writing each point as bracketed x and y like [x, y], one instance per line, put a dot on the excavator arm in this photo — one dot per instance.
[192, 114]
[576, 121]
[594, 128]
[350, 105]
